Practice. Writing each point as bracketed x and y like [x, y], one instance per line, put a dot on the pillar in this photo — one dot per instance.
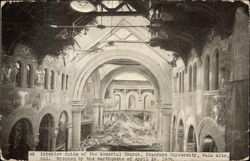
[166, 111]
[54, 133]
[77, 107]
[101, 114]
[173, 138]
[97, 114]
[69, 126]
[124, 100]
[158, 120]
[36, 141]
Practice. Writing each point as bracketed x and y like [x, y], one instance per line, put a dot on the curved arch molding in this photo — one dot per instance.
[163, 75]
[209, 127]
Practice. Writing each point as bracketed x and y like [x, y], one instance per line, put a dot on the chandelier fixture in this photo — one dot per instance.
[83, 6]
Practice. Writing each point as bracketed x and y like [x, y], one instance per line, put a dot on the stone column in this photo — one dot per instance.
[54, 133]
[123, 101]
[97, 114]
[77, 107]
[158, 120]
[36, 141]
[101, 114]
[166, 111]
[69, 143]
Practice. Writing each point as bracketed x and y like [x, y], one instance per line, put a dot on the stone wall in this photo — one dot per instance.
[33, 96]
[219, 112]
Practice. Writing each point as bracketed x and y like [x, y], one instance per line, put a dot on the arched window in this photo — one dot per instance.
[67, 82]
[190, 79]
[45, 138]
[207, 72]
[191, 142]
[180, 137]
[18, 74]
[20, 135]
[46, 79]
[209, 145]
[216, 72]
[29, 76]
[195, 77]
[52, 79]
[183, 81]
[118, 101]
[62, 137]
[132, 102]
[62, 83]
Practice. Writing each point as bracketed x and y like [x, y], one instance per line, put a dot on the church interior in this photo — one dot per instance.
[123, 75]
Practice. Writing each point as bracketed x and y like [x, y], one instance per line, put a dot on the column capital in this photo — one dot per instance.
[166, 109]
[77, 102]
[77, 105]
[165, 105]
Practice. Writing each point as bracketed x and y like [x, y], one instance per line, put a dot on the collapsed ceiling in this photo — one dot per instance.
[176, 26]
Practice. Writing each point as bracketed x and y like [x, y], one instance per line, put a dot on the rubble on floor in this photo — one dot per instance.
[126, 131]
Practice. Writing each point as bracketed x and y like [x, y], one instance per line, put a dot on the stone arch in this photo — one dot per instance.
[173, 132]
[50, 109]
[136, 96]
[180, 131]
[62, 139]
[208, 127]
[120, 99]
[181, 116]
[191, 122]
[21, 139]
[140, 70]
[215, 65]
[154, 67]
[96, 83]
[151, 96]
[67, 110]
[47, 129]
[20, 113]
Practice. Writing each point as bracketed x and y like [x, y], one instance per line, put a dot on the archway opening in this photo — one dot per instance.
[180, 137]
[132, 102]
[209, 144]
[20, 140]
[62, 137]
[174, 134]
[191, 140]
[129, 92]
[19, 68]
[46, 131]
[118, 101]
[136, 90]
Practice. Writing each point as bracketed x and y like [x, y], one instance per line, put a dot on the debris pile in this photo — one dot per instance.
[125, 131]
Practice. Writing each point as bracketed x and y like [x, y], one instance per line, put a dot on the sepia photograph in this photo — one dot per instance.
[131, 80]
